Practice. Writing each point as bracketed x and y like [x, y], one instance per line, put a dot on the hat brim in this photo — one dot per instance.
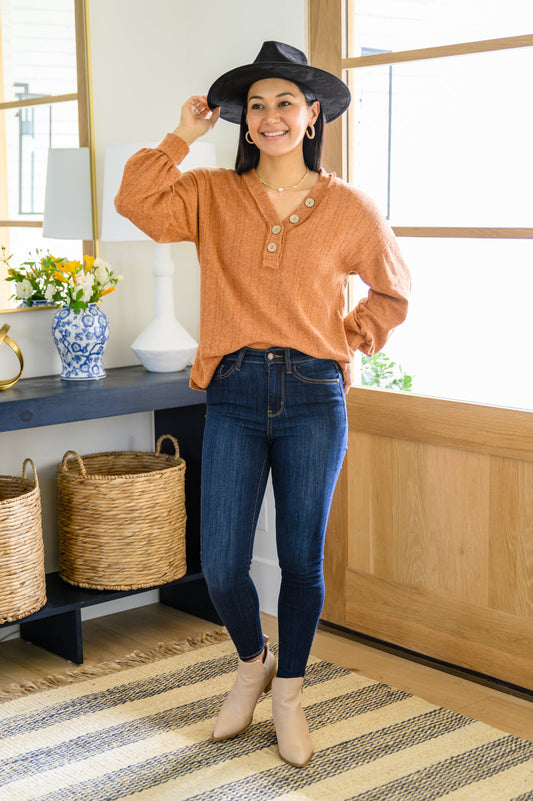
[229, 92]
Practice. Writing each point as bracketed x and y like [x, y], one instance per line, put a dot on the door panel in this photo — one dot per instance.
[430, 544]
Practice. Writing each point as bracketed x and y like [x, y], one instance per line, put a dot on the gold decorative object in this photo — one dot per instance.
[8, 383]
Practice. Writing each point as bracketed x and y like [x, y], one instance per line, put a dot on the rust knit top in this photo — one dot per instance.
[267, 282]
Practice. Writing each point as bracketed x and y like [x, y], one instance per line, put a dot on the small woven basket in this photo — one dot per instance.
[121, 518]
[22, 578]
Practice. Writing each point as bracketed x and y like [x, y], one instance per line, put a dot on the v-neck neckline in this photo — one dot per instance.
[302, 210]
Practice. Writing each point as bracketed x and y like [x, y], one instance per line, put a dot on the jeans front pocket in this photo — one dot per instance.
[225, 369]
[317, 371]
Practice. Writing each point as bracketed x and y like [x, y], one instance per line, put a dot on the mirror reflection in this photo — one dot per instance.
[42, 106]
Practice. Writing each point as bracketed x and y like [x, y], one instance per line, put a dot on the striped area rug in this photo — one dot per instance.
[143, 733]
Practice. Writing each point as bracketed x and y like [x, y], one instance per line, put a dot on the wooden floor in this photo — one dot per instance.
[113, 636]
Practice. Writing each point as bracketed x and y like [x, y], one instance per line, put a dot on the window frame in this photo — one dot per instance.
[85, 122]
[330, 25]
[330, 29]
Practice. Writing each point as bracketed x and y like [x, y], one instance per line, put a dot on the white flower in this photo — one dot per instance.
[85, 280]
[87, 293]
[49, 293]
[102, 271]
[24, 289]
[101, 274]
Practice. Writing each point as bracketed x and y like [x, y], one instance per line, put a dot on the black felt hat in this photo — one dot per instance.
[278, 60]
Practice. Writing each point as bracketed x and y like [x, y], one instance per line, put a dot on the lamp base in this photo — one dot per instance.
[165, 346]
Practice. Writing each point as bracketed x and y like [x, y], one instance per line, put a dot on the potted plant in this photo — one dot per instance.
[80, 328]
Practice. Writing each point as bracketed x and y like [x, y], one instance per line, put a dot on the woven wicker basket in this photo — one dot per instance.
[121, 518]
[22, 578]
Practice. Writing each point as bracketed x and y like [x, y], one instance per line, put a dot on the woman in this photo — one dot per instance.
[277, 239]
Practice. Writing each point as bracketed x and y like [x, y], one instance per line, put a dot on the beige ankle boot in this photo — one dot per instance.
[294, 741]
[237, 711]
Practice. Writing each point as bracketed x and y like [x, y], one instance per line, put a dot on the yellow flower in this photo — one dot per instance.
[89, 261]
[71, 267]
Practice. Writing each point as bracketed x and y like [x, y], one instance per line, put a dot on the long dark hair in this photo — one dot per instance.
[248, 155]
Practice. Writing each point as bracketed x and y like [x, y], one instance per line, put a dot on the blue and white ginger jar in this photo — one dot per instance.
[80, 340]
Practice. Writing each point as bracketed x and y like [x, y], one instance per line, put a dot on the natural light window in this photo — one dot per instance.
[443, 144]
[413, 24]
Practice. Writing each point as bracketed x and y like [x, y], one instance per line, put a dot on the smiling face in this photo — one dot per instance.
[277, 115]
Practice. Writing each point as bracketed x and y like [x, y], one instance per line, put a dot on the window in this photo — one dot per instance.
[43, 104]
[438, 133]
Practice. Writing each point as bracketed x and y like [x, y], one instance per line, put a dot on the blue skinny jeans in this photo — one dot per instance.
[284, 411]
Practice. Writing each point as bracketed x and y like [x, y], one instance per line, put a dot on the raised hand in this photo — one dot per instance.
[196, 119]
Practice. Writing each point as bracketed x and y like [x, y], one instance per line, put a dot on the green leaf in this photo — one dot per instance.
[378, 370]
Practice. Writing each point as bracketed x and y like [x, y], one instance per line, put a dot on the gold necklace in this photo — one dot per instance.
[283, 188]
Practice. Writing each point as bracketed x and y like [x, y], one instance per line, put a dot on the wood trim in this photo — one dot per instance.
[325, 22]
[8, 310]
[81, 61]
[46, 100]
[491, 430]
[510, 512]
[21, 223]
[335, 551]
[464, 233]
[85, 120]
[494, 642]
[444, 51]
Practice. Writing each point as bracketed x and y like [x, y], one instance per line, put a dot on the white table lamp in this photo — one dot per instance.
[164, 345]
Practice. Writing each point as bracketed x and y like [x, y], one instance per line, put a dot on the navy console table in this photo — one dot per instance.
[178, 410]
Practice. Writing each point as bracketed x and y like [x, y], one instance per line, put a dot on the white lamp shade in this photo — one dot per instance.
[67, 203]
[116, 228]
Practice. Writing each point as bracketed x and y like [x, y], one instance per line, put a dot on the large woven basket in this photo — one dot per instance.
[22, 578]
[121, 518]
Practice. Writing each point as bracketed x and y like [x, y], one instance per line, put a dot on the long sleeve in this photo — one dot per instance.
[264, 280]
[156, 196]
[380, 265]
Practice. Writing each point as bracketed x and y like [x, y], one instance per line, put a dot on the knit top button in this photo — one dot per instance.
[270, 356]
[309, 201]
[272, 247]
[276, 229]
[294, 218]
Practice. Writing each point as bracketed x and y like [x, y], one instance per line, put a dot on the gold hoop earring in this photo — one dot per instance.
[250, 140]
[313, 132]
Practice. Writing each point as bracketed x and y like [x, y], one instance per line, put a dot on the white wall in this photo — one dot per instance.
[147, 59]
[168, 50]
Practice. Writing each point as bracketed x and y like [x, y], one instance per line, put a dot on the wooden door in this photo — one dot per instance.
[430, 541]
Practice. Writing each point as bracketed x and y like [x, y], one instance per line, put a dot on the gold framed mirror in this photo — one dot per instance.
[45, 102]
